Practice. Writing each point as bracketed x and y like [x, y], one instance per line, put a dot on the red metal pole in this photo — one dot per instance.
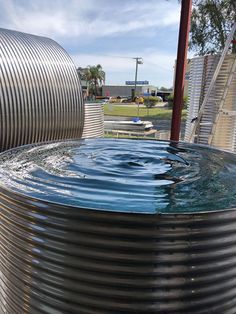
[180, 68]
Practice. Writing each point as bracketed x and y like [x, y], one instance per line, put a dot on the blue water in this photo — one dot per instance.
[123, 175]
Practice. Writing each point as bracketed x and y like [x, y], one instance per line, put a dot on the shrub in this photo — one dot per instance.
[185, 102]
[150, 101]
[170, 100]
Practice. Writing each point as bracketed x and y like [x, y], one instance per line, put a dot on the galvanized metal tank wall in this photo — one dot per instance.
[40, 92]
[58, 259]
[226, 127]
[201, 73]
[194, 92]
[93, 120]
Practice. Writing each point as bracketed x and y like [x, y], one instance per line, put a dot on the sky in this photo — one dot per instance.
[106, 32]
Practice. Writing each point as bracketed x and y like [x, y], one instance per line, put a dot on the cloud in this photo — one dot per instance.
[80, 18]
[86, 28]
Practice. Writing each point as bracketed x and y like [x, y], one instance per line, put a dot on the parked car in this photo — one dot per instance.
[117, 99]
[127, 100]
[139, 100]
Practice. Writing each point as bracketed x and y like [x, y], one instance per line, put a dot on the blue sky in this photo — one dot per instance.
[109, 32]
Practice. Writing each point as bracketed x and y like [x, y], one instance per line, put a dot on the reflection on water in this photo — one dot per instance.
[123, 175]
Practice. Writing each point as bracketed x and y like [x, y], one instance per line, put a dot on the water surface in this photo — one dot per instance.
[123, 175]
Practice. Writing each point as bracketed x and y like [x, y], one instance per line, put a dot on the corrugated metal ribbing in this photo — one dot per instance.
[226, 126]
[93, 121]
[194, 93]
[224, 135]
[57, 259]
[212, 105]
[40, 92]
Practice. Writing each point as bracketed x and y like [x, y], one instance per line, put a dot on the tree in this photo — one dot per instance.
[95, 76]
[165, 89]
[210, 24]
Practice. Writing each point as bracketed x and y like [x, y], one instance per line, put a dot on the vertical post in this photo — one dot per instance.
[138, 61]
[180, 68]
[135, 79]
[135, 82]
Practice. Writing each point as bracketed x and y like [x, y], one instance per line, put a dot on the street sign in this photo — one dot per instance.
[137, 83]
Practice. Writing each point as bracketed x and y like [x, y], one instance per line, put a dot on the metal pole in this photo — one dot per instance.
[135, 79]
[138, 61]
[135, 82]
[180, 68]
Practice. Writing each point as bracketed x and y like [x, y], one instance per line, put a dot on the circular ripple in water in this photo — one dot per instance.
[123, 175]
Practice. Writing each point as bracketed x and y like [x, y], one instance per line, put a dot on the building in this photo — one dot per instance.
[164, 94]
[127, 90]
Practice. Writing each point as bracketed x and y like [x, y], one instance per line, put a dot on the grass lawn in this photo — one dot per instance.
[132, 111]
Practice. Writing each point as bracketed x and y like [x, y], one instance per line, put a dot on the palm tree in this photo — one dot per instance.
[95, 76]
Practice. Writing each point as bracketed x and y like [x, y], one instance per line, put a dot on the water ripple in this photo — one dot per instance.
[123, 175]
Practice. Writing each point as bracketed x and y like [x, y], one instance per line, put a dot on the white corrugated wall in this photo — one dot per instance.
[201, 72]
[93, 120]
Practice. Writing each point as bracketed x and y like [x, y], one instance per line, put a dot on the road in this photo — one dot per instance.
[160, 125]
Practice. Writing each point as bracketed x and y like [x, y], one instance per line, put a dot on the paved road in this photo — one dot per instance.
[160, 125]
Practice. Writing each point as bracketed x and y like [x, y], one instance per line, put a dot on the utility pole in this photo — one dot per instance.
[138, 61]
[180, 68]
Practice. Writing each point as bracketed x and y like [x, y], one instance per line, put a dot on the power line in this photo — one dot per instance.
[111, 56]
[122, 57]
[157, 65]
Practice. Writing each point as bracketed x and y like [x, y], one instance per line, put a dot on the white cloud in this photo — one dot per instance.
[75, 23]
[82, 18]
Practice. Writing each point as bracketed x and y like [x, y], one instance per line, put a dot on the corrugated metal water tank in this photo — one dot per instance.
[40, 92]
[201, 73]
[194, 93]
[117, 226]
[93, 120]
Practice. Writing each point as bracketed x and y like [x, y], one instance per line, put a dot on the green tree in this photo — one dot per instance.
[165, 89]
[210, 24]
[95, 76]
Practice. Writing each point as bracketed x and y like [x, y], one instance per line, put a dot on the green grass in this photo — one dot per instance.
[132, 111]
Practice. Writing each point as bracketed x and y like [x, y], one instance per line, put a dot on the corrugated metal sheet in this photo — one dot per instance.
[199, 83]
[40, 92]
[94, 120]
[226, 126]
[211, 107]
[194, 93]
[58, 259]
